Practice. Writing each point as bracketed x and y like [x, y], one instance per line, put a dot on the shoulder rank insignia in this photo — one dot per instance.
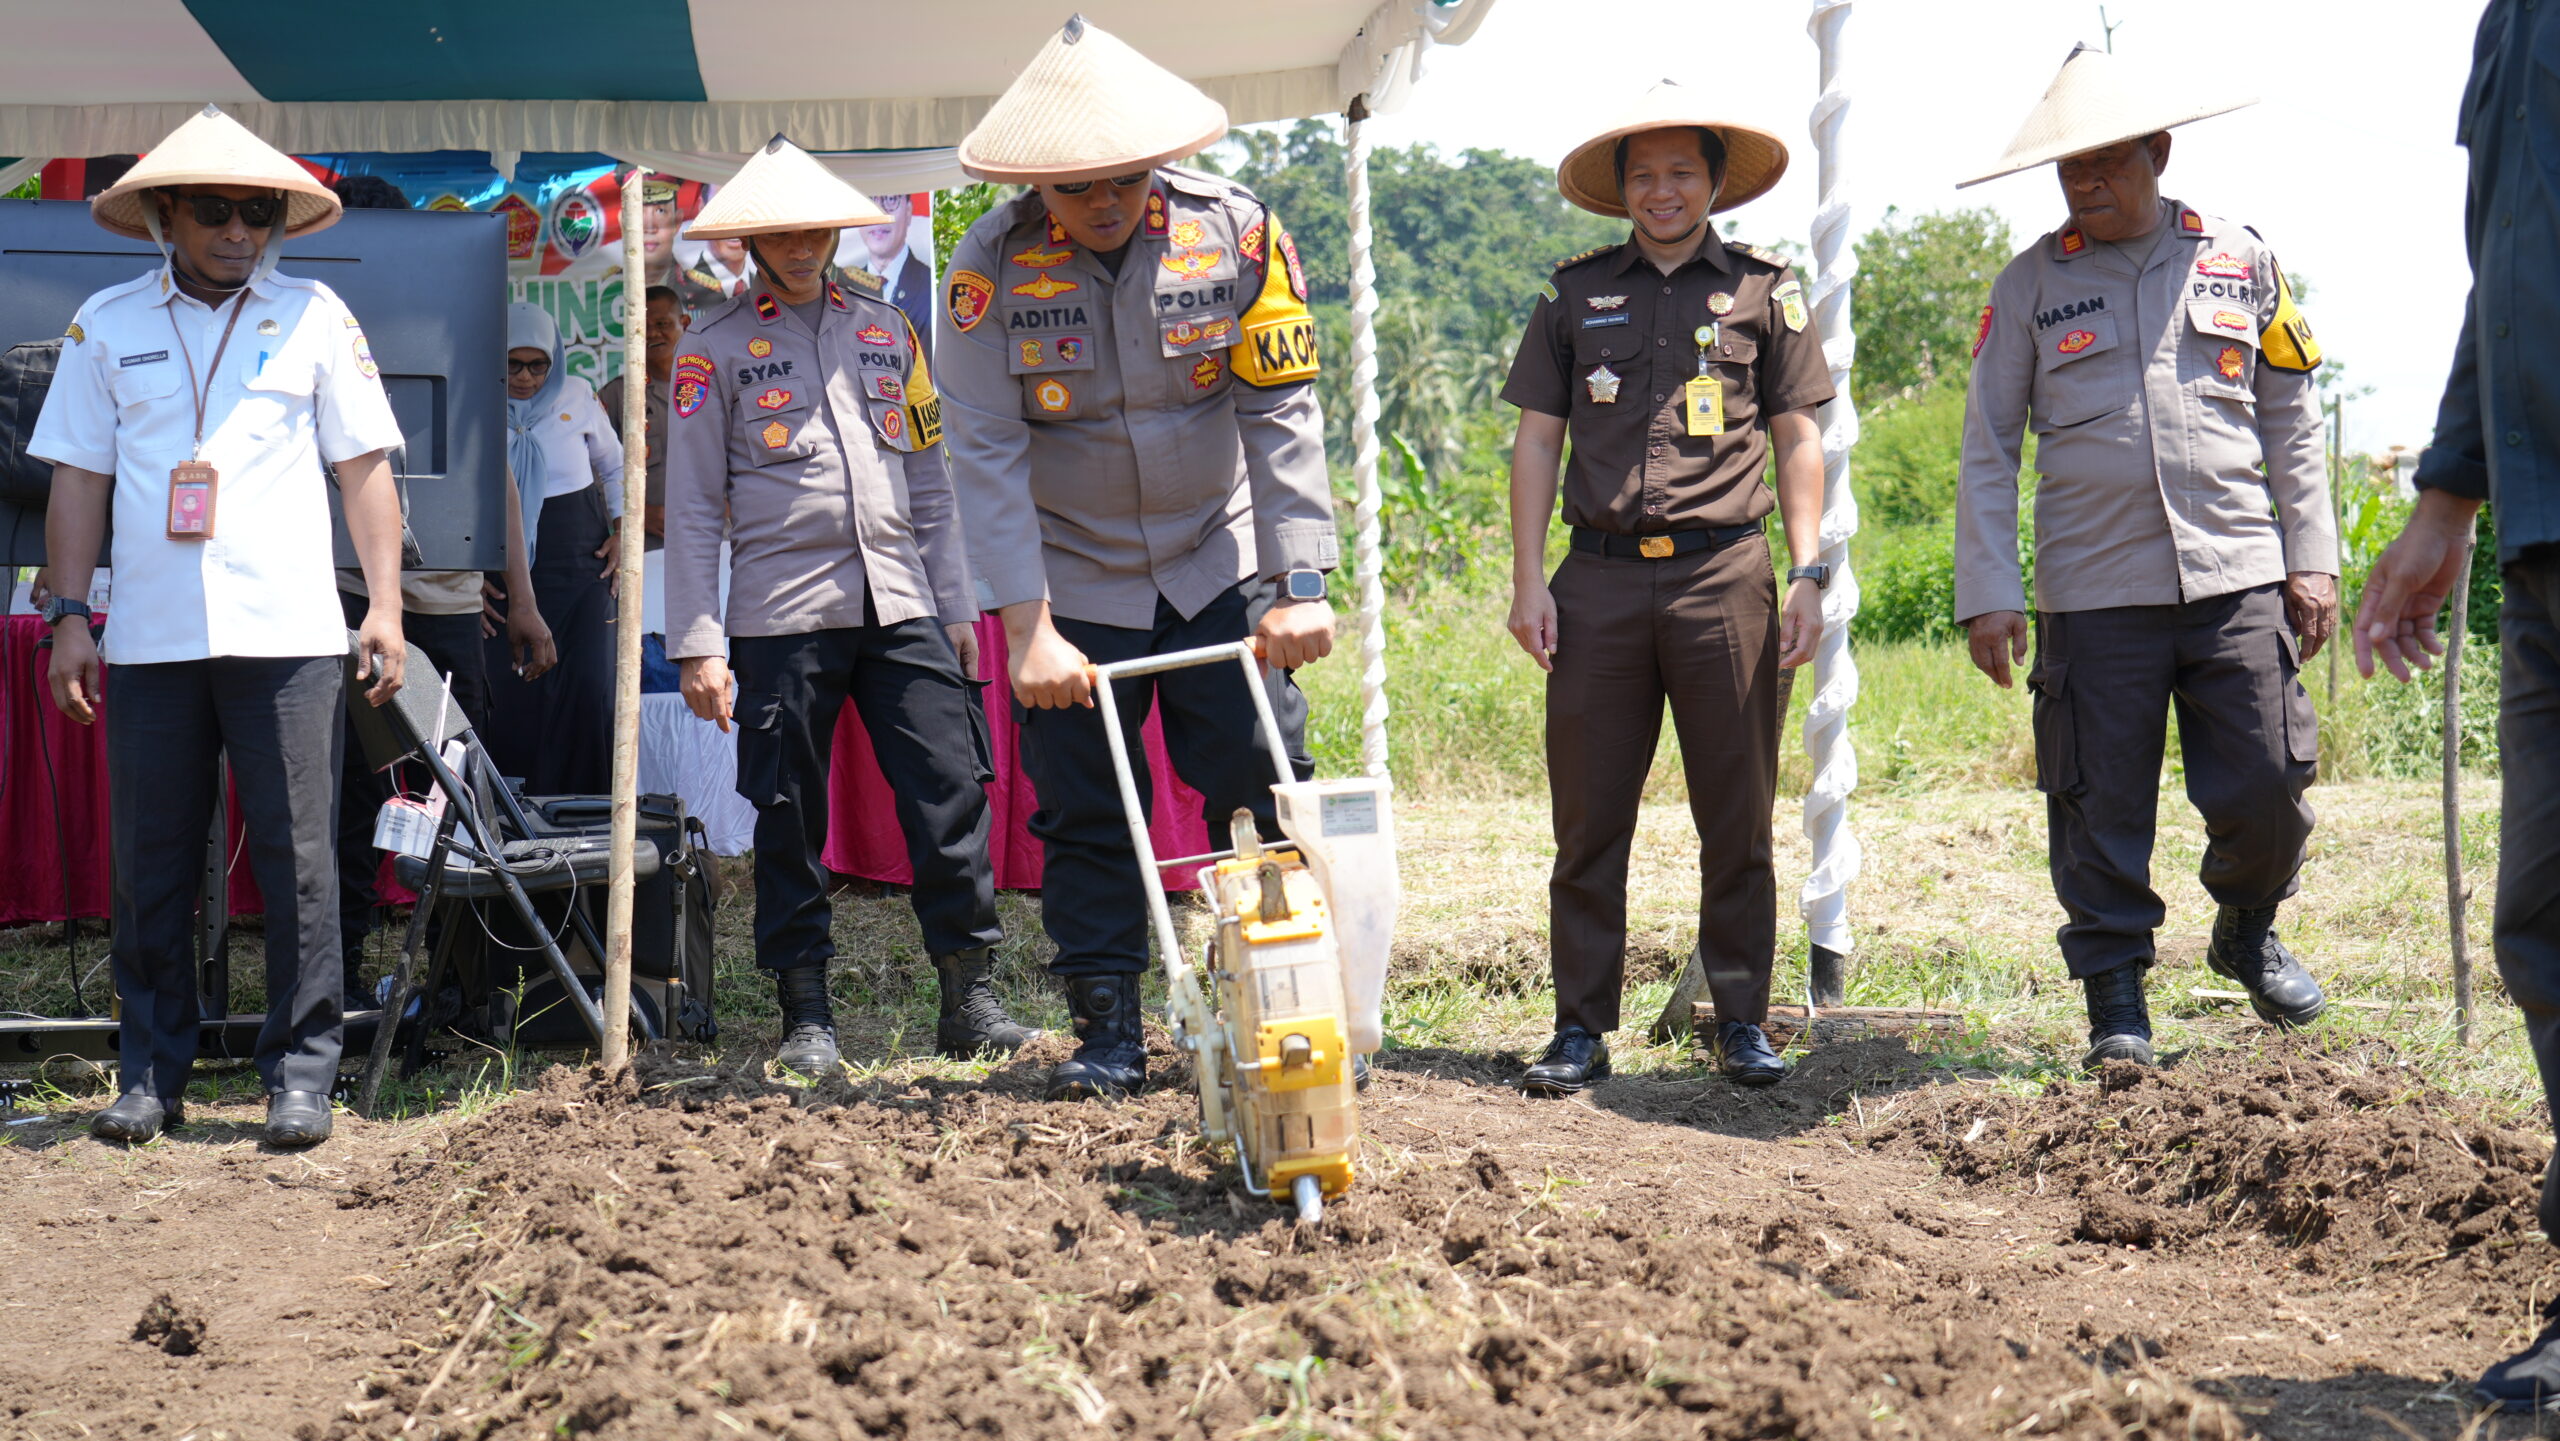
[1057, 233]
[1586, 255]
[2071, 241]
[2190, 223]
[767, 309]
[74, 333]
[835, 296]
[2286, 343]
[1157, 225]
[865, 281]
[1761, 253]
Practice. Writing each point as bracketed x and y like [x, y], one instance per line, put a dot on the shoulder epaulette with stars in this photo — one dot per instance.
[1760, 253]
[865, 281]
[1586, 255]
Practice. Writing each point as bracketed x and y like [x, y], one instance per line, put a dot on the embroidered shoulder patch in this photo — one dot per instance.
[2287, 343]
[1982, 333]
[971, 294]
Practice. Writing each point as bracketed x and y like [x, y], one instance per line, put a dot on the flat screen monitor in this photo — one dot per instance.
[430, 288]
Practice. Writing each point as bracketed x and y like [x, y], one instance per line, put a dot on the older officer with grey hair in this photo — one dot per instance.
[2184, 545]
[1129, 364]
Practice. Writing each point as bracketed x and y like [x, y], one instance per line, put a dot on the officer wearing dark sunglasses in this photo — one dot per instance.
[196, 404]
[1128, 367]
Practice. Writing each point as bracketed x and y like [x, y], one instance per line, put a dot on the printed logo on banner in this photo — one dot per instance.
[524, 226]
[577, 224]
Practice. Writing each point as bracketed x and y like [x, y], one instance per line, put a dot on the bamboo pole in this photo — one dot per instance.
[626, 631]
[2456, 899]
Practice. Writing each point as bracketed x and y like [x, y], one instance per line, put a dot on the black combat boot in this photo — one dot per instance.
[2119, 1022]
[1111, 1041]
[2245, 949]
[973, 1020]
[808, 1024]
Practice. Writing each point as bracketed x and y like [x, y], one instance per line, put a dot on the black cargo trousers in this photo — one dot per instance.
[2105, 682]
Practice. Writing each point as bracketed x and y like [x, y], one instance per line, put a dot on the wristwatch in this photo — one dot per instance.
[63, 607]
[1820, 575]
[1303, 585]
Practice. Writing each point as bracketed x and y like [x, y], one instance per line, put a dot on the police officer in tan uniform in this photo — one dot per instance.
[2184, 547]
[1674, 361]
[1129, 363]
[807, 433]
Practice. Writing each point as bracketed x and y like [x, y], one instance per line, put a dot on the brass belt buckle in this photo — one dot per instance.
[1653, 547]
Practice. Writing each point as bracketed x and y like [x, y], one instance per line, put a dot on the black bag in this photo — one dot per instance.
[671, 969]
[26, 373]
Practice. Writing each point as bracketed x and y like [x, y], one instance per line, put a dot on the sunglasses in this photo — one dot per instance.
[1118, 182]
[527, 367]
[215, 211]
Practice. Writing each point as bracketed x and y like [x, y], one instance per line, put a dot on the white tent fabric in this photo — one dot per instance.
[113, 76]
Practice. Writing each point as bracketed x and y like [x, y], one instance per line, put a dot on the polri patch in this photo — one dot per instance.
[1251, 245]
[971, 294]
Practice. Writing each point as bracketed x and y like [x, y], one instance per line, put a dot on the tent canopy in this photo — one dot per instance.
[650, 81]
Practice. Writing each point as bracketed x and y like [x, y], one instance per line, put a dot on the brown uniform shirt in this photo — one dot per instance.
[1612, 346]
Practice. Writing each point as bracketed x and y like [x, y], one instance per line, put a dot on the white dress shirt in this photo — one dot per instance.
[580, 445]
[296, 386]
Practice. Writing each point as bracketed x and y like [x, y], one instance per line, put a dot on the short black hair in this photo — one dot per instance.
[1710, 149]
[662, 292]
[369, 192]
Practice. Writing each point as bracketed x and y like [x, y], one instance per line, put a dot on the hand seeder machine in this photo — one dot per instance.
[1289, 989]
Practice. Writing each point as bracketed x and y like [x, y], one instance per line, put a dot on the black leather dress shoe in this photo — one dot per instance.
[2245, 949]
[1574, 1059]
[1743, 1052]
[297, 1118]
[136, 1118]
[2530, 1379]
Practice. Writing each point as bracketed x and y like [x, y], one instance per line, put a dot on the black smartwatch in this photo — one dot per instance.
[62, 608]
[1820, 575]
[1302, 585]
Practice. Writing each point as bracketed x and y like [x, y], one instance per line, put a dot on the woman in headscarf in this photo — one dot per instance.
[555, 730]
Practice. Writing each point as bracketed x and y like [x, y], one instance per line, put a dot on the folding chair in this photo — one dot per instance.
[473, 858]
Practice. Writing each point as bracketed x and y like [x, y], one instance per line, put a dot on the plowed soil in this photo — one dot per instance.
[2286, 1241]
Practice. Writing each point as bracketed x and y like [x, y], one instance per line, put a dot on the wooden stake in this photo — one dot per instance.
[2456, 899]
[626, 631]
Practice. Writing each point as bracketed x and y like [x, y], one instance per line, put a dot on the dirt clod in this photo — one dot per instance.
[171, 1325]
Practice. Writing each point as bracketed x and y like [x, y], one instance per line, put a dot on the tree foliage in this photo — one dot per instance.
[1922, 282]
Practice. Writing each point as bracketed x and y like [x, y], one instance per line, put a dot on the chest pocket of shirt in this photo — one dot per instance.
[1736, 366]
[147, 384]
[2222, 359]
[774, 419]
[2080, 375]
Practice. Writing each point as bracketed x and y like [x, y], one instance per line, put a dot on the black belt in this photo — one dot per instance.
[1657, 547]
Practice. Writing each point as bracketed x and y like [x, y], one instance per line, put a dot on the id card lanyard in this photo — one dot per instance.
[1706, 393]
[192, 486]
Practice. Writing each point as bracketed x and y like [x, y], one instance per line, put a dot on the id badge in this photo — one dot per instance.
[1706, 406]
[191, 491]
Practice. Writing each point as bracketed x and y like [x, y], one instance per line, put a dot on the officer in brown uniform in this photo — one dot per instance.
[1129, 365]
[1672, 361]
[2184, 545]
[807, 433]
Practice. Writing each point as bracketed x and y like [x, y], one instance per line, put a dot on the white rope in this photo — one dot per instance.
[1365, 565]
[1824, 901]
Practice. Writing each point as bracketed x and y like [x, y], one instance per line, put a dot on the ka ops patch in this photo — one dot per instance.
[1279, 345]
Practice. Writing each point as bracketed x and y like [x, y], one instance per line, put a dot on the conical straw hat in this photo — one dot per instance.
[214, 149]
[2097, 101]
[1088, 107]
[782, 187]
[1754, 158]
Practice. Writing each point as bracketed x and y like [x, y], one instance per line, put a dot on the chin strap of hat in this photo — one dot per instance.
[268, 254]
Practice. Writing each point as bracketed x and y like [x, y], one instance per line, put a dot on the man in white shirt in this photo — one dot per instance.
[200, 401]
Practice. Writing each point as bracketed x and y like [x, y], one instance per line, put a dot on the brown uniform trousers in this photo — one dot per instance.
[1701, 631]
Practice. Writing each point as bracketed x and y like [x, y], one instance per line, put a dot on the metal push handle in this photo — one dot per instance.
[1177, 966]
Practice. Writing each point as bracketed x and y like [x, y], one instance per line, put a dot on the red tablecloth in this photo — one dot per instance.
[45, 758]
[863, 838]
